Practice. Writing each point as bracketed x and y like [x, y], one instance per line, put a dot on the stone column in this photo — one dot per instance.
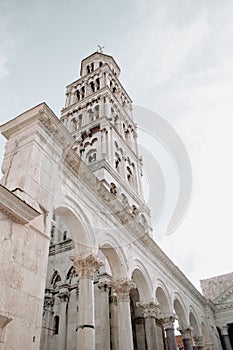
[225, 337]
[125, 335]
[198, 342]
[168, 323]
[114, 322]
[105, 324]
[86, 268]
[186, 337]
[64, 298]
[150, 313]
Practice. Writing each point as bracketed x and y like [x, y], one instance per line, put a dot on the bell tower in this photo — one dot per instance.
[98, 113]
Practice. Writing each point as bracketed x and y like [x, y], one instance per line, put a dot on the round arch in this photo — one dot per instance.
[163, 297]
[142, 285]
[193, 321]
[116, 260]
[79, 228]
[180, 311]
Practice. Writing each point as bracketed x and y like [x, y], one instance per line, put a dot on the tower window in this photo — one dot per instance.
[100, 64]
[92, 86]
[92, 66]
[83, 91]
[64, 235]
[78, 95]
[97, 84]
[88, 69]
[55, 325]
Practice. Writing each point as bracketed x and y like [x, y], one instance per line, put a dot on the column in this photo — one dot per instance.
[86, 268]
[104, 317]
[150, 313]
[125, 335]
[198, 342]
[168, 323]
[186, 337]
[114, 322]
[225, 337]
[64, 298]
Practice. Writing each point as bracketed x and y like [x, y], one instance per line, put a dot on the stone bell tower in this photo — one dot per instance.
[99, 114]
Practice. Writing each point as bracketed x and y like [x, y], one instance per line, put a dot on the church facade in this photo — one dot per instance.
[80, 268]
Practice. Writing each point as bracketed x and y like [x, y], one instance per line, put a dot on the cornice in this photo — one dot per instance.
[14, 207]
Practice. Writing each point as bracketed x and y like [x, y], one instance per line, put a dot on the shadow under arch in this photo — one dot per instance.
[194, 323]
[83, 238]
[180, 311]
[116, 260]
[163, 298]
[142, 285]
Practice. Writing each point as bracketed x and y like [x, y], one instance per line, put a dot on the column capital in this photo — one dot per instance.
[224, 329]
[168, 321]
[86, 266]
[122, 288]
[104, 286]
[185, 332]
[63, 295]
[150, 309]
[198, 341]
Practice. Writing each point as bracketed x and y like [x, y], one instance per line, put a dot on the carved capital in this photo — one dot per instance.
[224, 329]
[168, 321]
[86, 266]
[185, 332]
[104, 286]
[48, 301]
[122, 288]
[198, 341]
[150, 309]
[64, 295]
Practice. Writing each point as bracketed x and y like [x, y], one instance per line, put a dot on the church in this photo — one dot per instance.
[80, 269]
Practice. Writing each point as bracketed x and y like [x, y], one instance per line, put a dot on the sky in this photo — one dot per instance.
[176, 60]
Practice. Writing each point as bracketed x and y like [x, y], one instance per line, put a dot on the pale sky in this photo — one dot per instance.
[176, 59]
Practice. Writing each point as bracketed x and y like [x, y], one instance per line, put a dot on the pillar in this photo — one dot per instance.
[86, 268]
[198, 342]
[186, 337]
[125, 335]
[104, 317]
[114, 322]
[225, 337]
[168, 323]
[150, 313]
[64, 298]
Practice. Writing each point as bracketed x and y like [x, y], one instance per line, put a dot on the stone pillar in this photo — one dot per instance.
[150, 313]
[186, 337]
[64, 298]
[225, 337]
[198, 342]
[114, 322]
[125, 335]
[86, 268]
[168, 323]
[105, 324]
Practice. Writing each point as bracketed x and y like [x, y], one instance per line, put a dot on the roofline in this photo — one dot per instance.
[100, 53]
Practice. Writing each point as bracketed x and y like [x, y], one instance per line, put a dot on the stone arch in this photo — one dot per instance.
[116, 260]
[79, 228]
[180, 311]
[142, 284]
[163, 298]
[193, 321]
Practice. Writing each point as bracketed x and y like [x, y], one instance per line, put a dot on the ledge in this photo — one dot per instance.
[14, 207]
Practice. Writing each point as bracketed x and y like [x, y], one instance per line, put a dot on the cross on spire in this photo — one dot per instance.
[100, 49]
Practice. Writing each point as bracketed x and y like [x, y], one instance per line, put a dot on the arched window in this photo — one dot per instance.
[55, 278]
[55, 325]
[91, 156]
[64, 235]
